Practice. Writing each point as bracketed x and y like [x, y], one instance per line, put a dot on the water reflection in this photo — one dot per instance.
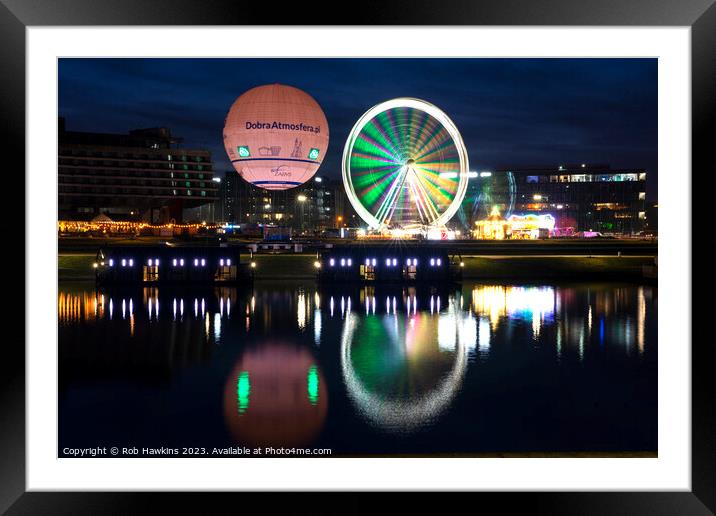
[574, 317]
[92, 305]
[402, 372]
[403, 367]
[571, 312]
[275, 396]
[410, 361]
[533, 304]
[139, 331]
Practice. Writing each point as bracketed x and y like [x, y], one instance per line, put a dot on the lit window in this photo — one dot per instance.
[332, 262]
[350, 262]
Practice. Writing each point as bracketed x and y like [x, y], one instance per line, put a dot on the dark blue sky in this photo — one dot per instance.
[511, 112]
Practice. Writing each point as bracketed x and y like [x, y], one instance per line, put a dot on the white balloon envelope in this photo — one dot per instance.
[276, 136]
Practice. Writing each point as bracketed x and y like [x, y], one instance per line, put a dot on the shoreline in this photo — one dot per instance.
[78, 267]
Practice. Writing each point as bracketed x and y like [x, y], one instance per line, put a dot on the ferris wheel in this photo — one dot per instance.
[405, 165]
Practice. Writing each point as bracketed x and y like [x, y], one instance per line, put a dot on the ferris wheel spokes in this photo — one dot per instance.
[426, 199]
[384, 211]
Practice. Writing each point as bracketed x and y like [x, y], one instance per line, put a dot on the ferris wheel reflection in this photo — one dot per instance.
[402, 370]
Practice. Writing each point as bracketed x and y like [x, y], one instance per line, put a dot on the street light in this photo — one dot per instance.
[301, 199]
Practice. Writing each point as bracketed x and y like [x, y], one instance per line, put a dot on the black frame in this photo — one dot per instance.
[700, 15]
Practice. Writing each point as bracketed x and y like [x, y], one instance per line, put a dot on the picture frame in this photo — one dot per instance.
[700, 15]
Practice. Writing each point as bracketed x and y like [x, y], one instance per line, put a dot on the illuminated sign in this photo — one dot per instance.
[244, 151]
[313, 154]
[530, 221]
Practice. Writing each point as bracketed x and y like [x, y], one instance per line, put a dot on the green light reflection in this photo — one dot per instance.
[243, 390]
[313, 384]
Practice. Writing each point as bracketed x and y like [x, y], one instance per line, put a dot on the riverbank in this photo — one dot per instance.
[550, 246]
[78, 266]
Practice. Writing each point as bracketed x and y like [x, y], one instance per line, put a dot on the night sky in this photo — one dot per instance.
[511, 113]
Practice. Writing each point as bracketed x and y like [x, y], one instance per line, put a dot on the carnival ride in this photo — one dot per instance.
[405, 167]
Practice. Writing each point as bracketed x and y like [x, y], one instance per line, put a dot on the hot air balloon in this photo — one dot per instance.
[276, 136]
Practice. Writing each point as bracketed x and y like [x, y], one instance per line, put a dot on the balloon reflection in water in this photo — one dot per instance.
[275, 396]
[403, 371]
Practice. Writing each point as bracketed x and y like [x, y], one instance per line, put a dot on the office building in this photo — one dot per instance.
[582, 197]
[144, 175]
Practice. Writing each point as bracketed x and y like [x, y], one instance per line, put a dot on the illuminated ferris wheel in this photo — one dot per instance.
[405, 165]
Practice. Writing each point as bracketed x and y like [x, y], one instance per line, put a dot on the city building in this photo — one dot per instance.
[227, 204]
[144, 175]
[581, 197]
[317, 205]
